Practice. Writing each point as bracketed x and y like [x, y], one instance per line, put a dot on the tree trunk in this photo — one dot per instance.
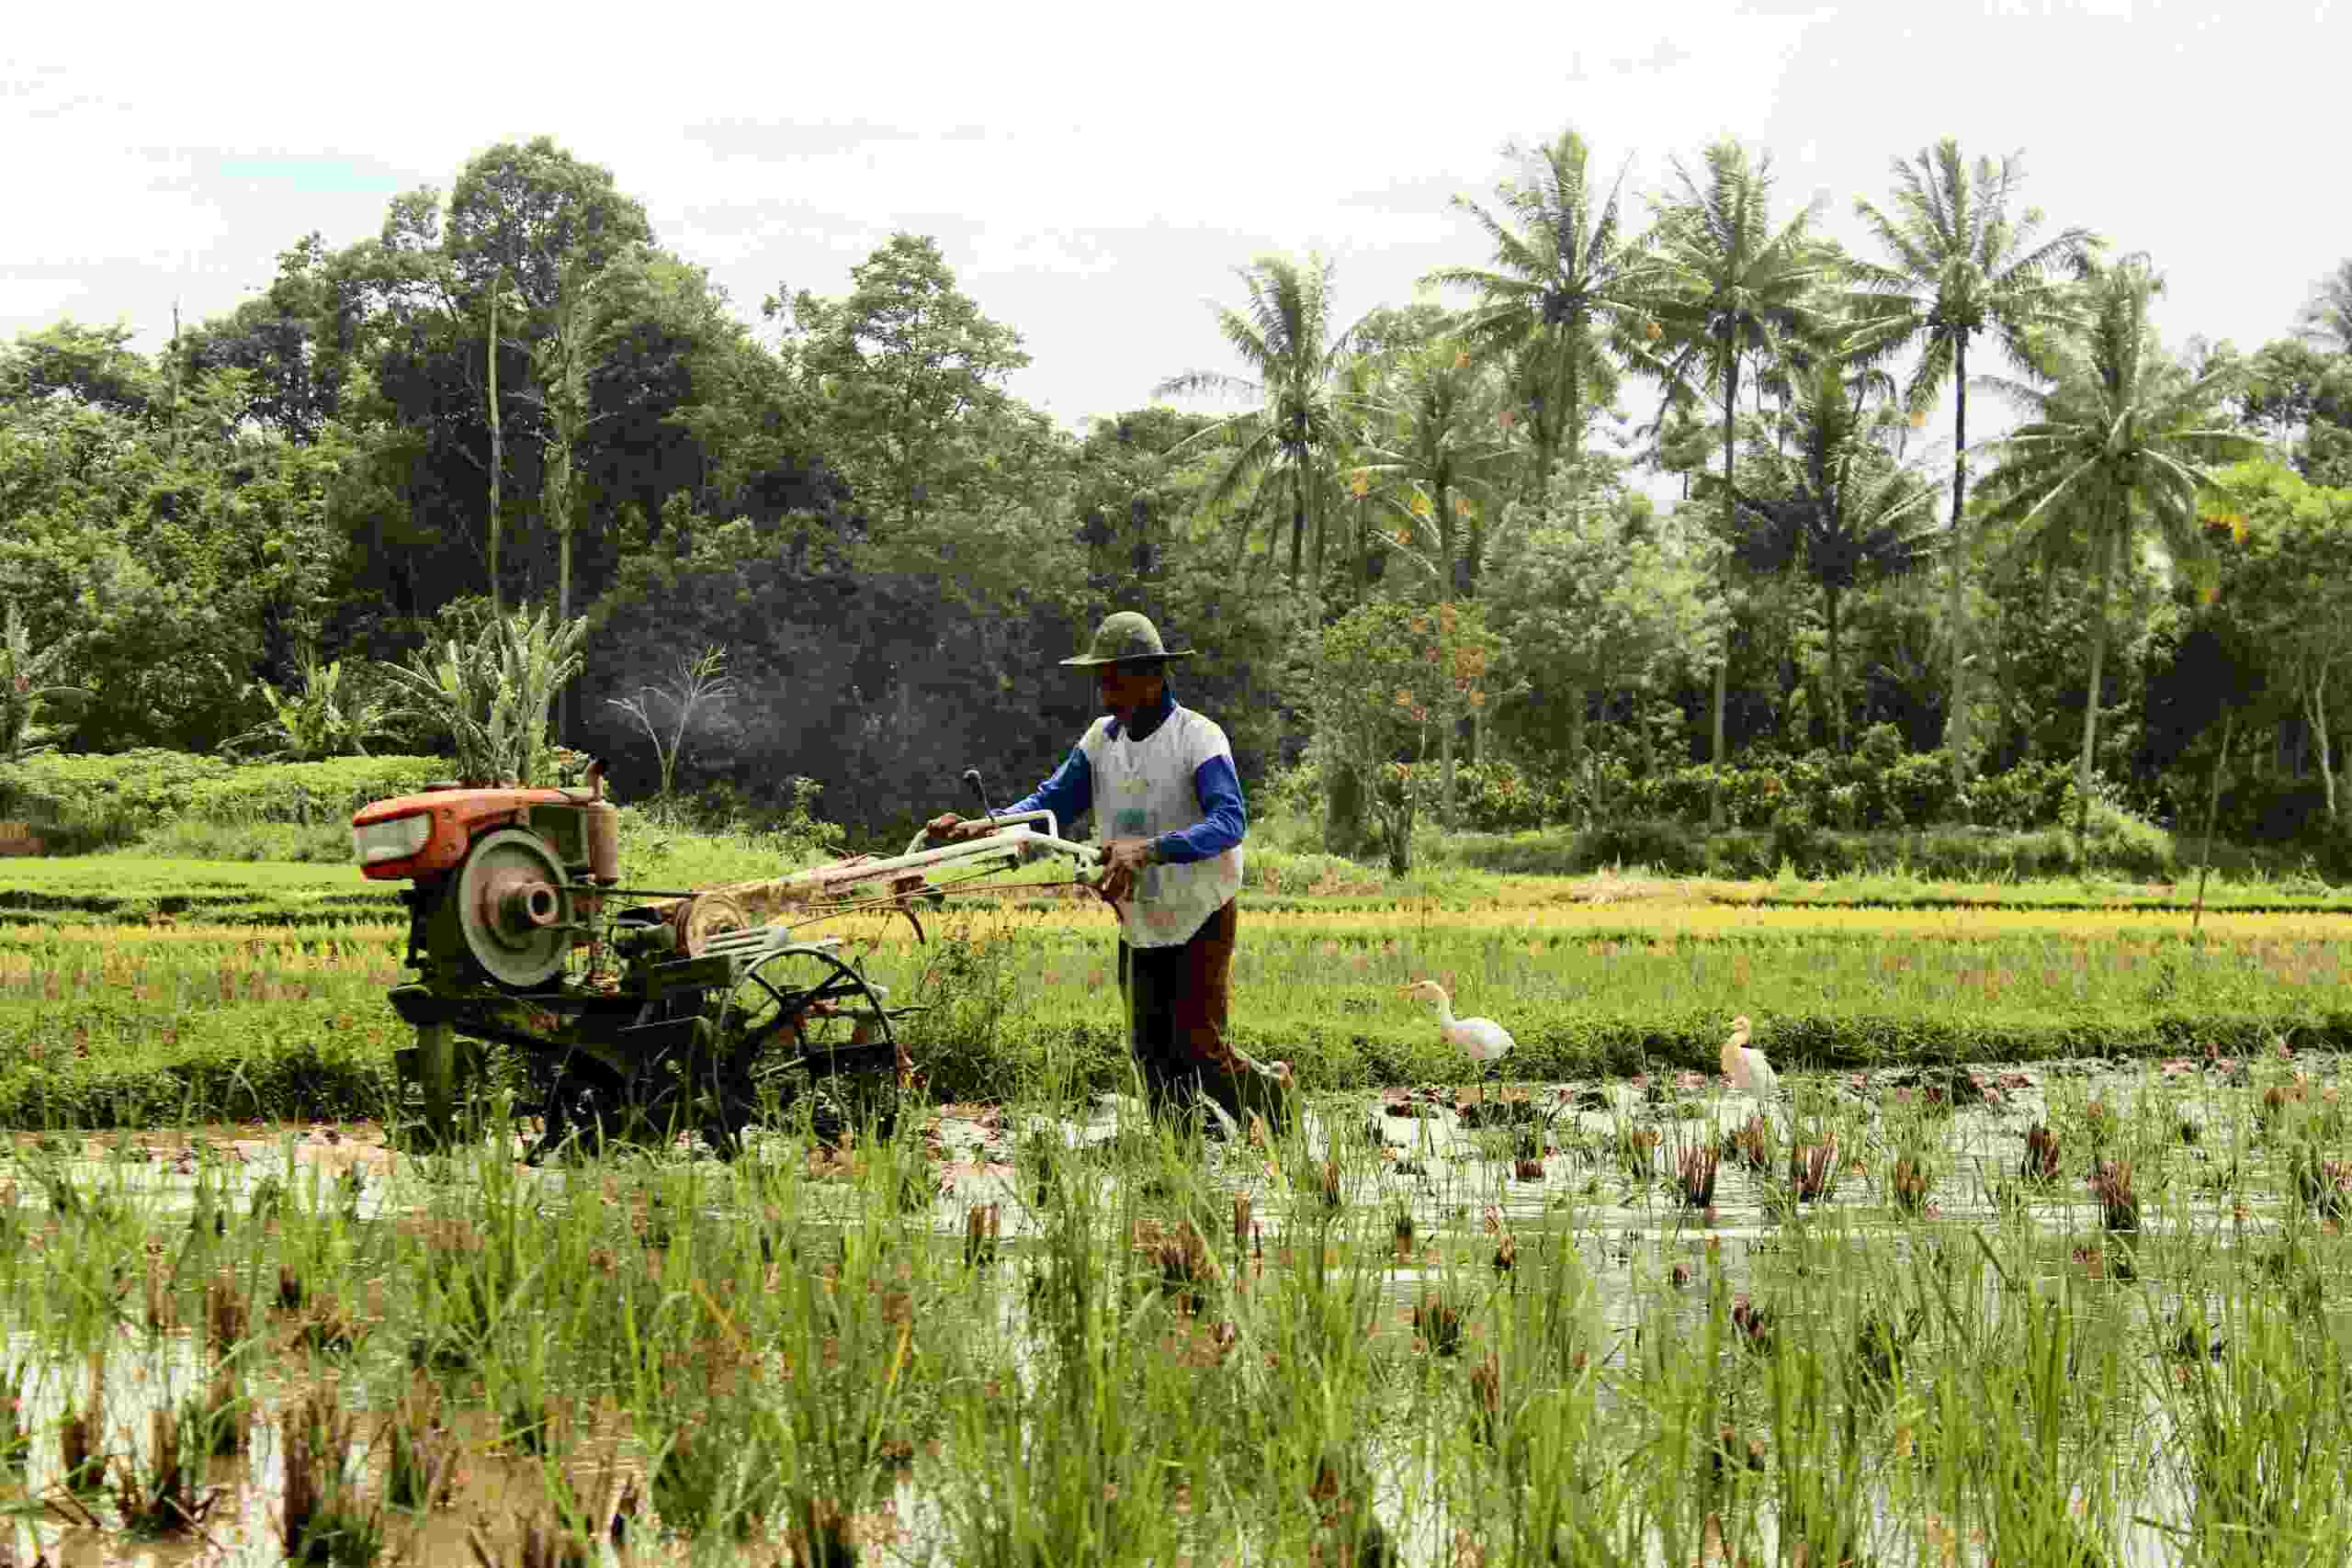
[2212, 808]
[2319, 731]
[1445, 751]
[1297, 512]
[497, 450]
[1837, 684]
[1956, 709]
[1722, 661]
[1343, 805]
[2090, 699]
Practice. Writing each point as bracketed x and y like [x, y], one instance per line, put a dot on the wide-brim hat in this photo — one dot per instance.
[1126, 638]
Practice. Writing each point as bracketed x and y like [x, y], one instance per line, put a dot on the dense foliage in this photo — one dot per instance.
[223, 546]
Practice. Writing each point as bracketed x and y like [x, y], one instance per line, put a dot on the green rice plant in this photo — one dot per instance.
[2263, 1438]
[321, 1521]
[1909, 1180]
[420, 1450]
[166, 1497]
[15, 1442]
[221, 1413]
[80, 1436]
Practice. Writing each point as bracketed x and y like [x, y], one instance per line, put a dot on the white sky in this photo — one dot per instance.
[1094, 172]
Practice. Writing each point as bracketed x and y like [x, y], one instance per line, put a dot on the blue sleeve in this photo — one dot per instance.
[1224, 817]
[1068, 795]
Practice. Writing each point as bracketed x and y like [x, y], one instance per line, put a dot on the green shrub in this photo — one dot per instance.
[87, 801]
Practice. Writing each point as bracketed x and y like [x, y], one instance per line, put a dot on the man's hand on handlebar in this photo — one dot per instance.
[951, 828]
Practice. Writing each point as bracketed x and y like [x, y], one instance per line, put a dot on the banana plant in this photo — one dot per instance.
[25, 684]
[494, 698]
[318, 719]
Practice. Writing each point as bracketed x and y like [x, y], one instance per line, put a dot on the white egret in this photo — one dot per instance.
[1482, 1038]
[1745, 1066]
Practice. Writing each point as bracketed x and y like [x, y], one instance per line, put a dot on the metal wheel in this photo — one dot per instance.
[799, 1015]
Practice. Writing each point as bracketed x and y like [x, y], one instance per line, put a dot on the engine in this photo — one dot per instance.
[506, 881]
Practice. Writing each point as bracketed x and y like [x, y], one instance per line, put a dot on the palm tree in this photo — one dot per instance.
[1432, 453]
[1284, 339]
[1737, 291]
[1847, 513]
[2126, 438]
[2325, 320]
[1567, 286]
[1962, 267]
[1437, 454]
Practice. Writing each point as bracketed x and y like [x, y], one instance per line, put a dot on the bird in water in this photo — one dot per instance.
[1745, 1066]
[1482, 1038]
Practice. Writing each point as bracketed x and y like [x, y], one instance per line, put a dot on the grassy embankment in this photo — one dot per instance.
[137, 991]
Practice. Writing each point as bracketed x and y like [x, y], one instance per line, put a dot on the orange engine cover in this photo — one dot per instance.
[459, 814]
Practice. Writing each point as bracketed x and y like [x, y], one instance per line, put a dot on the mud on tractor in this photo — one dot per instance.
[641, 1014]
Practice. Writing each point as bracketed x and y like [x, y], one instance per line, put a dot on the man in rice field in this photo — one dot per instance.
[1168, 807]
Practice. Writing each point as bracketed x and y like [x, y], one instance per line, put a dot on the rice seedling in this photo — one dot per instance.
[1754, 1144]
[1437, 1319]
[1695, 1170]
[221, 1414]
[16, 1443]
[1909, 1181]
[1636, 1152]
[1812, 1170]
[81, 1432]
[2324, 1184]
[2041, 1162]
[2111, 1184]
[166, 1497]
[321, 1521]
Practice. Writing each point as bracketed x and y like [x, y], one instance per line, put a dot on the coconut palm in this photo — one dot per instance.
[1432, 455]
[1285, 339]
[1737, 291]
[1567, 286]
[2325, 320]
[1846, 512]
[2124, 439]
[1962, 267]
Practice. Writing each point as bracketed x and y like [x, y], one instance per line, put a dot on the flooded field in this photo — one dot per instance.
[2067, 1313]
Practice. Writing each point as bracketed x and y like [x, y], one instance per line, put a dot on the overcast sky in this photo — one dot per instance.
[1095, 173]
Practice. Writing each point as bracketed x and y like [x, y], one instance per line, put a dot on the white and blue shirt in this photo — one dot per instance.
[1175, 785]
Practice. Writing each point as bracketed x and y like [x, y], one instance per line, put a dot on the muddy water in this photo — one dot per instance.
[1548, 1162]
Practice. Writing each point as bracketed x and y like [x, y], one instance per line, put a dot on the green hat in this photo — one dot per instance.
[1125, 638]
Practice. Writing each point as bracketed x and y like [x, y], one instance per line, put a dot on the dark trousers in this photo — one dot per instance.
[1177, 1002]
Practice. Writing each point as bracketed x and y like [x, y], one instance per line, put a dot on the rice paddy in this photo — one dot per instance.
[2064, 1313]
[2039, 1257]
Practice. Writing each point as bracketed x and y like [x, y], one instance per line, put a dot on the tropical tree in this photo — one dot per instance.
[1567, 287]
[1962, 267]
[1434, 457]
[2288, 557]
[2325, 320]
[1847, 512]
[1285, 338]
[2121, 447]
[1738, 290]
[1588, 605]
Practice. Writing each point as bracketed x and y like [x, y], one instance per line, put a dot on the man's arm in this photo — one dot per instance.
[1223, 819]
[1068, 795]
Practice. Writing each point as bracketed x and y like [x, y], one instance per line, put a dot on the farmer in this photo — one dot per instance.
[1168, 807]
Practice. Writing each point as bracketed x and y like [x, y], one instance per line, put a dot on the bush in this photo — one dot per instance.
[89, 802]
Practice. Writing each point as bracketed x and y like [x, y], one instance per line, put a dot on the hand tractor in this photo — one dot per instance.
[641, 1014]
